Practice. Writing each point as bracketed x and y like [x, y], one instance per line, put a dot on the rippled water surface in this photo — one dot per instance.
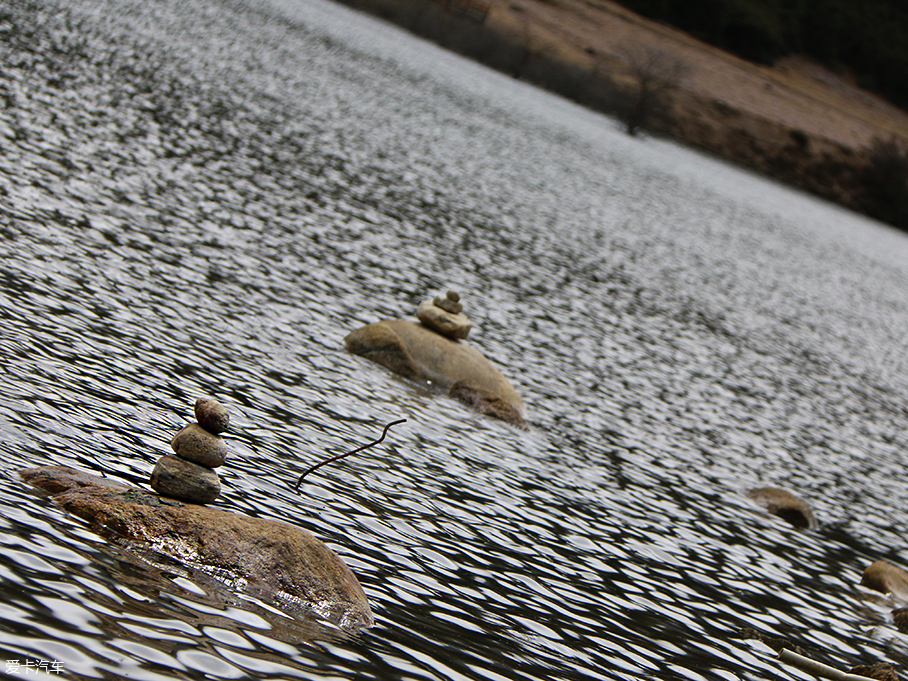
[206, 197]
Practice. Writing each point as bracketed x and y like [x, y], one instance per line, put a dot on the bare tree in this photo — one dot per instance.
[657, 73]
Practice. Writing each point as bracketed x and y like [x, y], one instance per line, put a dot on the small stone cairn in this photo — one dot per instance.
[199, 448]
[445, 315]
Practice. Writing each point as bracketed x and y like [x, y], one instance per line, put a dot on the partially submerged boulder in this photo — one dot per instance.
[886, 578]
[435, 351]
[269, 556]
[786, 505]
[416, 351]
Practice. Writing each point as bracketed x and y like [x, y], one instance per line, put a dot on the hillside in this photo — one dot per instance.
[796, 121]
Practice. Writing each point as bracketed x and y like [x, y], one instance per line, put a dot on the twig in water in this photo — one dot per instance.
[813, 667]
[341, 456]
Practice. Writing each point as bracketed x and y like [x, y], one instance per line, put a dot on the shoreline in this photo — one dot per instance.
[795, 122]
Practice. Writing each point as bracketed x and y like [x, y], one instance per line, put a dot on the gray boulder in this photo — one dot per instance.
[269, 556]
[454, 367]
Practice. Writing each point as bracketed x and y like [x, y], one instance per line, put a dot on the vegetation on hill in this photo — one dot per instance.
[867, 38]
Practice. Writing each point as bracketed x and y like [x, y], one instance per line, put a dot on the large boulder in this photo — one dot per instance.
[415, 351]
[271, 557]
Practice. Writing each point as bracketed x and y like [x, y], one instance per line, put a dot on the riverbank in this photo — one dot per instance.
[797, 121]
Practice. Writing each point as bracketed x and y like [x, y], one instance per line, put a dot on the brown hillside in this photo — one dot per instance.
[718, 89]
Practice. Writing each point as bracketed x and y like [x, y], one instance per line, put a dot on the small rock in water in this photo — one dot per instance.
[446, 323]
[450, 303]
[885, 577]
[211, 415]
[786, 505]
[180, 479]
[882, 671]
[900, 619]
[195, 443]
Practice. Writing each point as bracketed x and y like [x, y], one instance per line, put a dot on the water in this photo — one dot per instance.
[206, 197]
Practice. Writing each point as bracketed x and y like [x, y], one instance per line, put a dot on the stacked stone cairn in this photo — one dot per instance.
[445, 315]
[199, 448]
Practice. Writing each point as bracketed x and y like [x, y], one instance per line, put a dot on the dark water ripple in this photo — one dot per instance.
[205, 197]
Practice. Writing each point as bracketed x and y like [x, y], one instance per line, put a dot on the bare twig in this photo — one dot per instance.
[341, 456]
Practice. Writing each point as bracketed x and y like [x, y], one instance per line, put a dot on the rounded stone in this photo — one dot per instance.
[445, 323]
[900, 619]
[211, 415]
[448, 305]
[453, 296]
[194, 443]
[786, 505]
[184, 480]
[885, 577]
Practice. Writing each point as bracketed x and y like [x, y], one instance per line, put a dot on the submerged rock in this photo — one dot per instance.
[881, 671]
[270, 557]
[900, 619]
[415, 351]
[786, 505]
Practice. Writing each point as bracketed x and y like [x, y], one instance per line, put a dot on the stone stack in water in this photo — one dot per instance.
[199, 449]
[445, 315]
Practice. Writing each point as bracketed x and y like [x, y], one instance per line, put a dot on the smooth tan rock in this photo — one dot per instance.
[274, 559]
[786, 505]
[448, 324]
[200, 446]
[180, 479]
[886, 578]
[455, 367]
[211, 415]
[450, 302]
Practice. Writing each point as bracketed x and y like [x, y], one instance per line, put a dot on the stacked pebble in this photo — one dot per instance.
[445, 315]
[199, 449]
